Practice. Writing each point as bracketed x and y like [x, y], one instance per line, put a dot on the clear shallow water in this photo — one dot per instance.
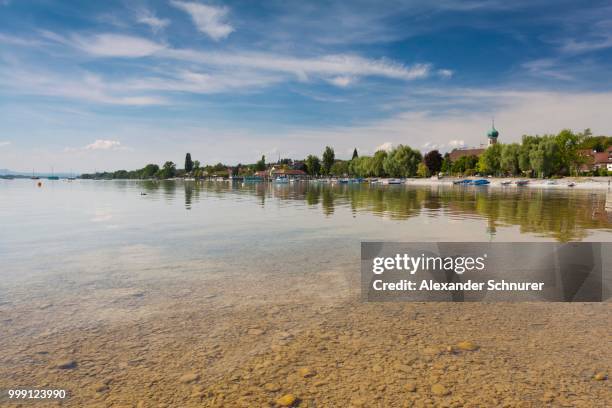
[64, 227]
[254, 282]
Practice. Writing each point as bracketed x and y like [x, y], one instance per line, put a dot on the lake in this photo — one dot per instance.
[179, 293]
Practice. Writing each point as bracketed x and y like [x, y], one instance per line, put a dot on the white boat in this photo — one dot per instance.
[281, 180]
[394, 181]
[506, 182]
[551, 183]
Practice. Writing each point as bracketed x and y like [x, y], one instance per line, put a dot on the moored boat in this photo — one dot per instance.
[281, 180]
[394, 181]
[522, 182]
[466, 181]
[479, 182]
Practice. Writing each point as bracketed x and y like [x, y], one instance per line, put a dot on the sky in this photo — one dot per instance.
[118, 84]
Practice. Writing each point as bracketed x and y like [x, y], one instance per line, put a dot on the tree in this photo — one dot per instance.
[465, 164]
[545, 158]
[568, 143]
[360, 166]
[313, 165]
[376, 164]
[261, 164]
[149, 171]
[355, 154]
[196, 164]
[402, 161]
[340, 168]
[433, 161]
[509, 160]
[188, 163]
[423, 170]
[527, 145]
[328, 159]
[490, 159]
[168, 170]
[447, 164]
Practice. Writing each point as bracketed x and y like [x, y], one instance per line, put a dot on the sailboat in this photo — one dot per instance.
[33, 176]
[52, 176]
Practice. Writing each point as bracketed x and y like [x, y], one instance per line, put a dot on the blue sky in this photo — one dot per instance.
[118, 84]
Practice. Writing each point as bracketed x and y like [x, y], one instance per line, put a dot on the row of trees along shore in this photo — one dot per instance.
[536, 156]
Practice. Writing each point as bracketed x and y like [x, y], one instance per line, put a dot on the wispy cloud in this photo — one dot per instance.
[445, 73]
[101, 144]
[98, 145]
[82, 86]
[147, 17]
[210, 20]
[117, 45]
[3, 144]
[328, 65]
[341, 81]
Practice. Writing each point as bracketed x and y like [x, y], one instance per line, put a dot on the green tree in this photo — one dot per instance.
[568, 143]
[545, 158]
[376, 164]
[313, 165]
[465, 164]
[261, 164]
[168, 170]
[402, 161]
[423, 170]
[149, 171]
[340, 168]
[328, 159]
[188, 163]
[528, 144]
[509, 161]
[360, 166]
[355, 154]
[447, 164]
[433, 161]
[489, 161]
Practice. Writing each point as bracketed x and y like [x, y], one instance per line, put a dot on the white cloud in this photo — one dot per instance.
[82, 86]
[341, 81]
[445, 73]
[3, 144]
[117, 45]
[328, 65]
[210, 20]
[387, 147]
[147, 17]
[101, 144]
[456, 143]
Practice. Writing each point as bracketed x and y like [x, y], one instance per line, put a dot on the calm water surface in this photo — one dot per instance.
[66, 228]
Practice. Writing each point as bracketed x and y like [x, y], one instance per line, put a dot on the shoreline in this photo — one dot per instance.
[589, 183]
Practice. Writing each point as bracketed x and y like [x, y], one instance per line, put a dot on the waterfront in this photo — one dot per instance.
[219, 294]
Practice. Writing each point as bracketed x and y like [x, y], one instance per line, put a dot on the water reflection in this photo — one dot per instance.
[561, 214]
[564, 215]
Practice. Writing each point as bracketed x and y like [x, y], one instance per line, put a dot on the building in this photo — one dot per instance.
[595, 160]
[492, 136]
[281, 172]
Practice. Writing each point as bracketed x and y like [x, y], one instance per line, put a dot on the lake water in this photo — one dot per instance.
[132, 278]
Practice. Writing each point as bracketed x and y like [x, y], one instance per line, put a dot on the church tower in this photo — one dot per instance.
[493, 134]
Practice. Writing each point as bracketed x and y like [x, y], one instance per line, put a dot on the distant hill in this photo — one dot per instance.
[8, 172]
